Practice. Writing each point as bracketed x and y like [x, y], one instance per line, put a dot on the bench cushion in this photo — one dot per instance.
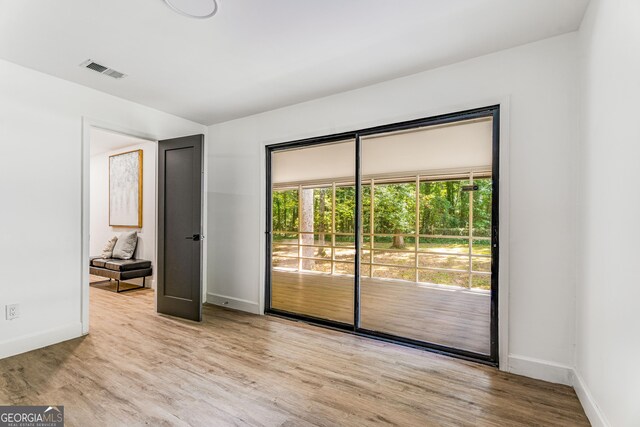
[126, 264]
[98, 262]
[120, 264]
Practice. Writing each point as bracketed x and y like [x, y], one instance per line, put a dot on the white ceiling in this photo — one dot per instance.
[257, 55]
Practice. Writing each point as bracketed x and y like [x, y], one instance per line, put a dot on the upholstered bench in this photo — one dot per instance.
[121, 269]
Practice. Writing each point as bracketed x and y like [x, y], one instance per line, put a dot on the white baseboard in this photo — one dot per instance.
[235, 303]
[596, 417]
[541, 369]
[561, 374]
[41, 339]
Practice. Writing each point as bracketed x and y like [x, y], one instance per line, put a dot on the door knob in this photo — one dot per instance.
[195, 237]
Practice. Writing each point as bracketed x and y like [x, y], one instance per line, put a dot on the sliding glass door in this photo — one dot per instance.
[416, 203]
[313, 231]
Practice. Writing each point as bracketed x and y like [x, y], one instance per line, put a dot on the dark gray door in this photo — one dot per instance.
[180, 227]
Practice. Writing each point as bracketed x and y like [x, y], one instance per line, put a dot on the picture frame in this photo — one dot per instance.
[125, 189]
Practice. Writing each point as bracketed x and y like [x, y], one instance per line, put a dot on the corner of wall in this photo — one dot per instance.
[540, 369]
[560, 374]
[591, 409]
[233, 303]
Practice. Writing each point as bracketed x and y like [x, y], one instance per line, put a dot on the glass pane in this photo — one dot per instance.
[365, 270]
[444, 278]
[444, 208]
[285, 210]
[447, 246]
[316, 209]
[481, 263]
[440, 300]
[481, 282]
[313, 265]
[285, 250]
[345, 254]
[366, 209]
[282, 263]
[346, 241]
[397, 273]
[394, 258]
[316, 252]
[345, 209]
[286, 238]
[344, 268]
[481, 247]
[395, 242]
[444, 261]
[313, 239]
[366, 242]
[306, 279]
[482, 207]
[394, 210]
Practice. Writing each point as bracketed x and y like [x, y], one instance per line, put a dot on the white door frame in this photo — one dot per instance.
[87, 124]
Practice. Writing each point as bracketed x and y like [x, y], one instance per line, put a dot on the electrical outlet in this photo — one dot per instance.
[13, 311]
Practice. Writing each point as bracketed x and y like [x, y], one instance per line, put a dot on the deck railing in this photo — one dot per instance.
[339, 257]
[333, 252]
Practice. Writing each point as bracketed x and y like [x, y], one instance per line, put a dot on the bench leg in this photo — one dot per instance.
[130, 289]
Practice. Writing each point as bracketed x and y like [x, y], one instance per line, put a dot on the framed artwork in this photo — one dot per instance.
[125, 189]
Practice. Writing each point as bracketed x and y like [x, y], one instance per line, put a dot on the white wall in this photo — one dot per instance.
[100, 230]
[40, 209]
[608, 285]
[536, 82]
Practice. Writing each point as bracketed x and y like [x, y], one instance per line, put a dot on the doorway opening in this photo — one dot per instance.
[147, 196]
[391, 232]
[122, 218]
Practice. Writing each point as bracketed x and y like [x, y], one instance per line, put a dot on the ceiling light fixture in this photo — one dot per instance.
[199, 9]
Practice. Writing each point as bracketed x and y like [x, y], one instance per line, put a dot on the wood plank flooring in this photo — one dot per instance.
[449, 316]
[140, 368]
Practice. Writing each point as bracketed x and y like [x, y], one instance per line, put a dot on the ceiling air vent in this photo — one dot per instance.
[102, 69]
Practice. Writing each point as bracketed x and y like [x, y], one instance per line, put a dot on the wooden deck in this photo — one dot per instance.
[443, 315]
[139, 368]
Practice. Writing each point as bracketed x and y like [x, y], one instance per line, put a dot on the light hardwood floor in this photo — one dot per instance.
[140, 368]
[450, 316]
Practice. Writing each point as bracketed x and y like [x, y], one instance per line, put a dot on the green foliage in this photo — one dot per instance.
[285, 210]
[482, 201]
[444, 208]
[394, 208]
[322, 209]
[345, 209]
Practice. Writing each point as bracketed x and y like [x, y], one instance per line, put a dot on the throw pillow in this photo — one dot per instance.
[126, 245]
[107, 250]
